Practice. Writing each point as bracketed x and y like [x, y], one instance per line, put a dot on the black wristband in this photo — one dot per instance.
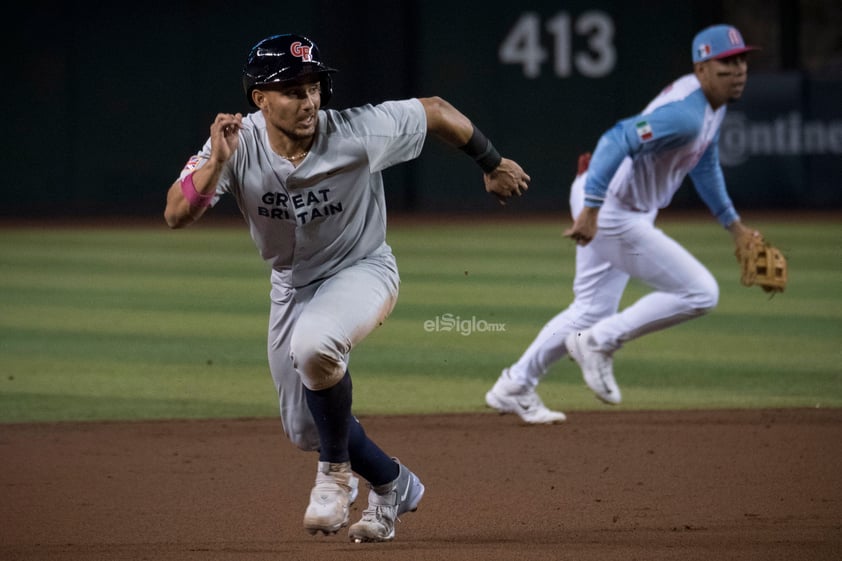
[482, 151]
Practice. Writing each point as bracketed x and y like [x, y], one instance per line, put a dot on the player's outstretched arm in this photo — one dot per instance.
[502, 177]
[189, 198]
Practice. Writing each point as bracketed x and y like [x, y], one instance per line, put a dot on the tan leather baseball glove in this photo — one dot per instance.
[761, 264]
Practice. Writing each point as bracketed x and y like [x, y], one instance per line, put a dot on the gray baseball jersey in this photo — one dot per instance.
[309, 221]
[321, 226]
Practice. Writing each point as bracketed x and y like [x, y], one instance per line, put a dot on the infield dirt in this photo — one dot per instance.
[613, 485]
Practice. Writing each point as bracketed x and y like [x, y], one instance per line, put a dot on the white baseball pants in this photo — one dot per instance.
[627, 245]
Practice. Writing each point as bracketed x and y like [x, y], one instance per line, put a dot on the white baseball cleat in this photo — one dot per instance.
[385, 504]
[331, 498]
[597, 366]
[507, 396]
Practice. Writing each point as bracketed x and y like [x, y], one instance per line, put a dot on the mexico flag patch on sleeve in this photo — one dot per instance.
[644, 131]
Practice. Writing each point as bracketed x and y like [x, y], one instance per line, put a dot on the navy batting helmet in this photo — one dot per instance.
[284, 58]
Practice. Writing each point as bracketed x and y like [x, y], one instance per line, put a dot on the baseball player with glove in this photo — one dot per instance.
[635, 169]
[308, 183]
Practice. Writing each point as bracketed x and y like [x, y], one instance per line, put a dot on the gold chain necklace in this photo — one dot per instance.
[296, 157]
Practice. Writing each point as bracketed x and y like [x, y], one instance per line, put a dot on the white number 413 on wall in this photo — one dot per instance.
[523, 44]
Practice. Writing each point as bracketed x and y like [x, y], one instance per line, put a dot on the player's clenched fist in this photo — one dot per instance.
[584, 226]
[506, 180]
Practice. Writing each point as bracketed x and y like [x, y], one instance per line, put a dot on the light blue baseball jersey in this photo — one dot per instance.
[309, 222]
[642, 160]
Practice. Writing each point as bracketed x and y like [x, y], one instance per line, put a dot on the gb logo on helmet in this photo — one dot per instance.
[301, 51]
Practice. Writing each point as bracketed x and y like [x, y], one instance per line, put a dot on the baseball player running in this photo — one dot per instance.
[308, 182]
[636, 168]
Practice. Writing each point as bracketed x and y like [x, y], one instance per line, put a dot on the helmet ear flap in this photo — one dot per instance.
[327, 88]
[248, 87]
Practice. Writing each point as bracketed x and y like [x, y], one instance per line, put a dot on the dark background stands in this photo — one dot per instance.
[108, 100]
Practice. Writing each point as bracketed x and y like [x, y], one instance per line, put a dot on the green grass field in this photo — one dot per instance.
[142, 323]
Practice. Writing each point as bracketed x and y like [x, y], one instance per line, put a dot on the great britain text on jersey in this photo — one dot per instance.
[300, 207]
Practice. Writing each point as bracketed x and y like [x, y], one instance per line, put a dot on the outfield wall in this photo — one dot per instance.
[108, 100]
